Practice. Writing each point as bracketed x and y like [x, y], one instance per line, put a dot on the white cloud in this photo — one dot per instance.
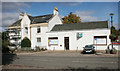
[86, 16]
[70, 3]
[14, 6]
[9, 18]
[10, 12]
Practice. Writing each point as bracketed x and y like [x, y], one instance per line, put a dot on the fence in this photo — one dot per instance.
[37, 48]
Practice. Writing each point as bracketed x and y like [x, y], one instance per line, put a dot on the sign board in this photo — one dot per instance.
[95, 38]
[100, 41]
[53, 41]
[79, 35]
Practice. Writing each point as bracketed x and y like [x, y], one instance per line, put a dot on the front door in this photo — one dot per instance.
[66, 42]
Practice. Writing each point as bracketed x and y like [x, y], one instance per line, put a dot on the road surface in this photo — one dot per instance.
[66, 60]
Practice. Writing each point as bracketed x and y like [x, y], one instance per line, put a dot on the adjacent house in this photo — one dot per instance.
[49, 32]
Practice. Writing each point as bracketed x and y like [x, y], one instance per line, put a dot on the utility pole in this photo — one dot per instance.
[111, 14]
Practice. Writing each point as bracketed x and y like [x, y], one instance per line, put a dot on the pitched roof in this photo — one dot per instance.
[17, 23]
[36, 19]
[80, 26]
[40, 19]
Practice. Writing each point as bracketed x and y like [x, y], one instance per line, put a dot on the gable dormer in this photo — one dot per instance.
[25, 26]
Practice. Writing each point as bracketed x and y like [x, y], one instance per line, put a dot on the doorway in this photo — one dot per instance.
[66, 42]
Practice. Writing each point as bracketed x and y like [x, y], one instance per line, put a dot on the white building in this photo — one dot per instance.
[48, 31]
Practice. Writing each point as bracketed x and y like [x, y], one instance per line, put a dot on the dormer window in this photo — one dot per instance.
[38, 30]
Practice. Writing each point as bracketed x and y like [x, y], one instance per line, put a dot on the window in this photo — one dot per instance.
[38, 41]
[38, 30]
[53, 41]
[100, 40]
[26, 30]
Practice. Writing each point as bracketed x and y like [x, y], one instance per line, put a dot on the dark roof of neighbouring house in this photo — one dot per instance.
[17, 23]
[80, 26]
[36, 19]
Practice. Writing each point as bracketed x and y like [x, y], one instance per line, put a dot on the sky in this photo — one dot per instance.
[88, 11]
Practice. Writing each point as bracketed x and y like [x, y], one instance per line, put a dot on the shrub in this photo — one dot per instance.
[43, 49]
[25, 42]
[37, 48]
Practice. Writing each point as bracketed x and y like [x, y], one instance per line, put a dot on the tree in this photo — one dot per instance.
[115, 34]
[71, 18]
[5, 42]
[25, 42]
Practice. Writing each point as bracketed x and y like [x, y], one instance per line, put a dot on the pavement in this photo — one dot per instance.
[63, 60]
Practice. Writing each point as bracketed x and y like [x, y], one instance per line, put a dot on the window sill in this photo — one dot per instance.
[38, 33]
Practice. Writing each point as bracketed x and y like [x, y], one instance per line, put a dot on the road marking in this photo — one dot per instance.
[94, 62]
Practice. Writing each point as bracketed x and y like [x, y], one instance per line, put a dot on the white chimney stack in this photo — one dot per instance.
[55, 11]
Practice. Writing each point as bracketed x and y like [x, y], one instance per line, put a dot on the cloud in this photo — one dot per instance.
[9, 18]
[13, 6]
[72, 4]
[69, 3]
[10, 12]
[86, 16]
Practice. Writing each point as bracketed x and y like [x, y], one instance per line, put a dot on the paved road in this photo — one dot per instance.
[66, 60]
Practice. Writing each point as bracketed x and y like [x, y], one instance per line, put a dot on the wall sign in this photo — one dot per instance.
[100, 40]
[79, 35]
[53, 41]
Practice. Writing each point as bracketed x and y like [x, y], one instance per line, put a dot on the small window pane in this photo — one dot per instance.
[38, 30]
[38, 39]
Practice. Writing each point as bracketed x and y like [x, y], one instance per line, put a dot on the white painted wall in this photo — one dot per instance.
[35, 35]
[55, 20]
[43, 36]
[25, 23]
[74, 43]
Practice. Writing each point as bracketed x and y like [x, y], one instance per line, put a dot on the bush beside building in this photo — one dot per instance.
[25, 42]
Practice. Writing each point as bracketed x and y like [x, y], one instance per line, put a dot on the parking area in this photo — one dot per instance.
[63, 60]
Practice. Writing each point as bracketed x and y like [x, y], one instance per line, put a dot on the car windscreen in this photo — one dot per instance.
[88, 46]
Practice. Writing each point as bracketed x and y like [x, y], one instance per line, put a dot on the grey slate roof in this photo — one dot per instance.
[17, 23]
[80, 26]
[40, 19]
[36, 19]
